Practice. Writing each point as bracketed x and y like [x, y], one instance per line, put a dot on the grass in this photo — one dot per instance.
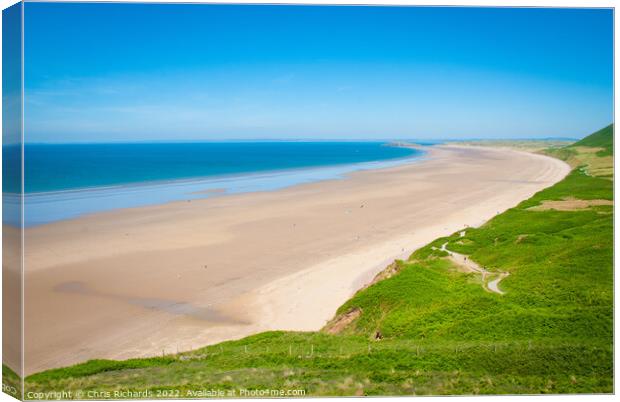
[11, 382]
[441, 331]
[603, 138]
[321, 364]
[531, 145]
[594, 153]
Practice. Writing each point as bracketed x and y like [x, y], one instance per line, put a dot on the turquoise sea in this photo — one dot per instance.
[62, 181]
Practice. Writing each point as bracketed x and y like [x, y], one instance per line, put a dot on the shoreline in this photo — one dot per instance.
[182, 275]
[87, 200]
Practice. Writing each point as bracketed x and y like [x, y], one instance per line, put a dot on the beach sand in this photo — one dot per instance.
[168, 278]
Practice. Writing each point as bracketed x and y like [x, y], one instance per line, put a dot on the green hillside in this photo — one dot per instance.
[426, 326]
[604, 138]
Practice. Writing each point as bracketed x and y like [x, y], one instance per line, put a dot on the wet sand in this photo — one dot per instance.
[152, 280]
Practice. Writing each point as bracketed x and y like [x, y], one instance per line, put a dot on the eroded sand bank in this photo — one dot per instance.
[140, 281]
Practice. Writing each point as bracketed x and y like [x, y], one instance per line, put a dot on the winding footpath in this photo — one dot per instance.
[470, 266]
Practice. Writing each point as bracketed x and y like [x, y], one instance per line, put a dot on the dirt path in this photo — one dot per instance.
[492, 285]
[471, 266]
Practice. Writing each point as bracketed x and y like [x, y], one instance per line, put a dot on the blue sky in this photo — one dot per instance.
[138, 72]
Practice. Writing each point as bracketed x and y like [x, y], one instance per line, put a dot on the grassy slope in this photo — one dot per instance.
[442, 332]
[601, 139]
[595, 152]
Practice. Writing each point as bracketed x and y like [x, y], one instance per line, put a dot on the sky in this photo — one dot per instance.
[159, 72]
[11, 74]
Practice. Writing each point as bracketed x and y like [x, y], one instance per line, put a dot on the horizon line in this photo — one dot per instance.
[250, 140]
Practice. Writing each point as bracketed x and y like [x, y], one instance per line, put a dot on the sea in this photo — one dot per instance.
[64, 181]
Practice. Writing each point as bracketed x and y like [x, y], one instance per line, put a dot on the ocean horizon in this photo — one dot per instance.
[64, 181]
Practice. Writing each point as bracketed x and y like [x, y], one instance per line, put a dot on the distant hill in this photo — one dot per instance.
[603, 138]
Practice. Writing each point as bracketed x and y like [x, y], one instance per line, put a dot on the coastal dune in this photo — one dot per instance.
[167, 278]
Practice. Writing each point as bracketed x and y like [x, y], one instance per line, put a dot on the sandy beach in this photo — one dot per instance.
[160, 279]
